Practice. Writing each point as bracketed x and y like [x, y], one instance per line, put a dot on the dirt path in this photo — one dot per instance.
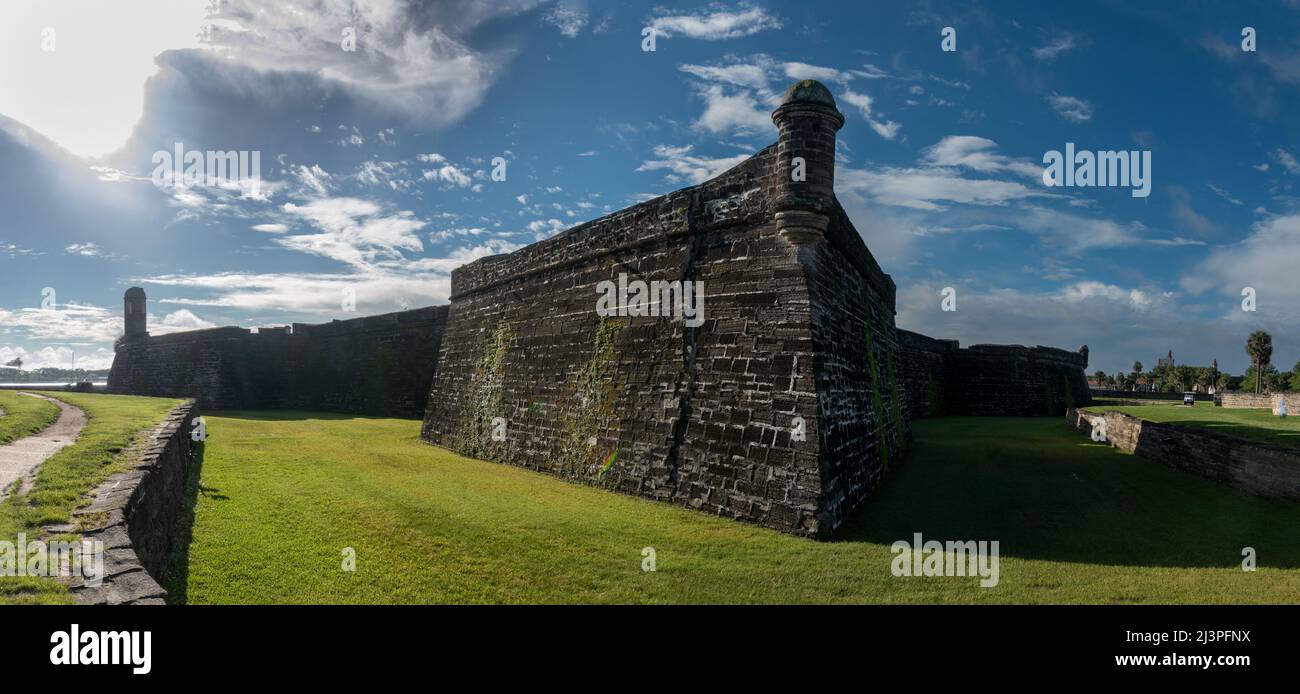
[22, 457]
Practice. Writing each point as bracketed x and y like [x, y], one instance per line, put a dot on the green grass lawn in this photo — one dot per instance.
[24, 415]
[1254, 424]
[65, 480]
[283, 494]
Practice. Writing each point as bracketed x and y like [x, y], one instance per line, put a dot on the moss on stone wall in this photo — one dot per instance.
[483, 401]
[592, 407]
[935, 395]
[896, 406]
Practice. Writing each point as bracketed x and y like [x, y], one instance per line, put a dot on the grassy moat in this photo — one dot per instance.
[284, 495]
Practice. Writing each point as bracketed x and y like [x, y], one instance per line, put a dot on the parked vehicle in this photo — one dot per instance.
[1189, 398]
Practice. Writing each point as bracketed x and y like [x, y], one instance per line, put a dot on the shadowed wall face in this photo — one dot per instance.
[377, 365]
[942, 378]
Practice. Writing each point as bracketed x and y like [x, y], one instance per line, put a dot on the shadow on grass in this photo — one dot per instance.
[295, 415]
[178, 560]
[1046, 492]
[1243, 431]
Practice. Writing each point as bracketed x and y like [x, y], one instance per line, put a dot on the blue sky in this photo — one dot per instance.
[375, 163]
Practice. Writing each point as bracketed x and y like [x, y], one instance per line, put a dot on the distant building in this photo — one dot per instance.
[1166, 361]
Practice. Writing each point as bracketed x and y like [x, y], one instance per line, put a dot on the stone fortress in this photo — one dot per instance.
[785, 406]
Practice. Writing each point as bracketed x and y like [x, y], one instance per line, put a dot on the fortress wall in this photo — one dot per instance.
[991, 380]
[698, 416]
[1016, 381]
[1256, 468]
[924, 370]
[862, 403]
[376, 365]
[1268, 401]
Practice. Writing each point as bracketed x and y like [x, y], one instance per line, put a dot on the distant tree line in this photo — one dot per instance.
[1261, 377]
[50, 375]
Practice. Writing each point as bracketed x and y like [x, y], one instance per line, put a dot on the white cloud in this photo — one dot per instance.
[1119, 324]
[804, 71]
[1071, 108]
[410, 59]
[977, 154]
[686, 166]
[275, 228]
[568, 17]
[717, 25]
[313, 178]
[58, 357]
[1286, 160]
[354, 231]
[88, 249]
[733, 113]
[448, 173]
[1224, 194]
[1266, 260]
[70, 323]
[179, 321]
[928, 189]
[546, 228]
[885, 129]
[1055, 47]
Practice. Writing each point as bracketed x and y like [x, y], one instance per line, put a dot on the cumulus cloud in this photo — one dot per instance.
[58, 357]
[1118, 323]
[1265, 260]
[978, 154]
[410, 59]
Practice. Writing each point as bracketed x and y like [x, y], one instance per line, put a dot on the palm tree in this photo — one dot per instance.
[1260, 348]
[1137, 373]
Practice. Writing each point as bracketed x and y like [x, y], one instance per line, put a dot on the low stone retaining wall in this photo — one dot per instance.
[1259, 469]
[1149, 397]
[134, 514]
[1262, 401]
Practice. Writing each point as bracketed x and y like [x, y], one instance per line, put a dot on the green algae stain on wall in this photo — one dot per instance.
[483, 401]
[900, 428]
[591, 410]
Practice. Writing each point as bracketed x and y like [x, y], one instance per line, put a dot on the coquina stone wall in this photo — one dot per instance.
[783, 407]
[135, 514]
[1256, 468]
[1261, 401]
[941, 377]
[376, 365]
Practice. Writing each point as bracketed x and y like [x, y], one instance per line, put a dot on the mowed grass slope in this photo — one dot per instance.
[1255, 424]
[283, 495]
[64, 482]
[24, 415]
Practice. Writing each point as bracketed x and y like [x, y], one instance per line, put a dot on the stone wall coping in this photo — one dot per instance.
[108, 519]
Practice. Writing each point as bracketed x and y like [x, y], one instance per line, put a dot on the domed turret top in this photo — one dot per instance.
[808, 91]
